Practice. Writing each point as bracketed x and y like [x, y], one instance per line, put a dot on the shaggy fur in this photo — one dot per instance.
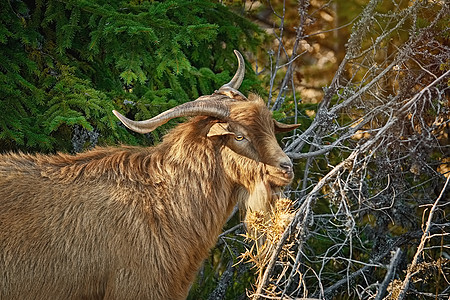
[129, 222]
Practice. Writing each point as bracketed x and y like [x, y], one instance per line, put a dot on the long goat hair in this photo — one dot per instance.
[133, 222]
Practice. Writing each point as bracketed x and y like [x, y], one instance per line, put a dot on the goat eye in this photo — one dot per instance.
[239, 138]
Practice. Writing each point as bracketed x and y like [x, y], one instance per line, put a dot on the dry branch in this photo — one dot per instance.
[425, 237]
[376, 149]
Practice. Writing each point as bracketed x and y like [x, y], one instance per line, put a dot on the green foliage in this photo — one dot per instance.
[69, 63]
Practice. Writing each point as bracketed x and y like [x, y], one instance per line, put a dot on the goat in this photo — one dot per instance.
[133, 222]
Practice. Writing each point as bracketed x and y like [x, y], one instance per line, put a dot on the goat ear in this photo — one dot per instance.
[280, 127]
[219, 129]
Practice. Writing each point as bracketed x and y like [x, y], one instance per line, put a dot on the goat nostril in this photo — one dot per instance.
[287, 166]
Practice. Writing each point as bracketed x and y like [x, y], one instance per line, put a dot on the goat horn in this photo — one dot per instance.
[236, 81]
[212, 108]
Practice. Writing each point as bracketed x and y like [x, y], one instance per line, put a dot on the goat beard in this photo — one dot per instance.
[261, 202]
[262, 197]
[267, 188]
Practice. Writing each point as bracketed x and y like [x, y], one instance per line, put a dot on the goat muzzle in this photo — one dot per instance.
[280, 176]
[287, 167]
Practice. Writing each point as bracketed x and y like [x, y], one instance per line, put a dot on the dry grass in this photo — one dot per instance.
[265, 231]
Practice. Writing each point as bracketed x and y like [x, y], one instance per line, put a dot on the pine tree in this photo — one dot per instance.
[66, 64]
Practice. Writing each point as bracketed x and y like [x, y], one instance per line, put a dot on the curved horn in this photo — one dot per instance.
[213, 108]
[236, 81]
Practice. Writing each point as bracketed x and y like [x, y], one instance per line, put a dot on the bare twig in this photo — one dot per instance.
[376, 148]
[424, 239]
[390, 273]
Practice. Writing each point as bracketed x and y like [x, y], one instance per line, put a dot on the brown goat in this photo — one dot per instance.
[129, 222]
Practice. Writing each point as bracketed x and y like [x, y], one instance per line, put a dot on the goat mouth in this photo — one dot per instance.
[289, 175]
[281, 177]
